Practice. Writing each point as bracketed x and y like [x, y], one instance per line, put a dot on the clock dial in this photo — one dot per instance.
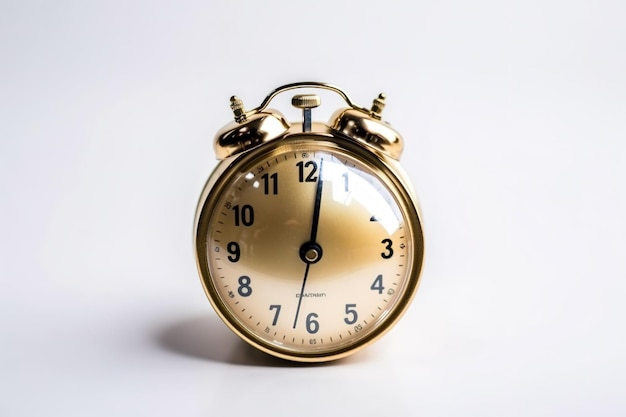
[309, 250]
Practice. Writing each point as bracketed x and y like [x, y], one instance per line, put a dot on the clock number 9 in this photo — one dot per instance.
[234, 250]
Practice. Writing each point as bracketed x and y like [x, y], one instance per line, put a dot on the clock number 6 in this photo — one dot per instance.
[389, 250]
[312, 325]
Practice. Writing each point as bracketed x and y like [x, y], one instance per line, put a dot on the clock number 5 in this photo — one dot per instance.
[388, 249]
[352, 314]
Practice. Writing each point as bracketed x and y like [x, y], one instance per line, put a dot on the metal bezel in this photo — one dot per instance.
[387, 169]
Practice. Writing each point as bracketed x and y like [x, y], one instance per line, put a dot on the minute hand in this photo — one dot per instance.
[316, 207]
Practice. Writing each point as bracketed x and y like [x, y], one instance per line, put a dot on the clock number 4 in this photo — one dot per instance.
[377, 285]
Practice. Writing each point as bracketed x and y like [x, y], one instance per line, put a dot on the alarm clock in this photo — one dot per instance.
[308, 235]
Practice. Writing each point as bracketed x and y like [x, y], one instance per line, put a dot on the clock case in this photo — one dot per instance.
[355, 129]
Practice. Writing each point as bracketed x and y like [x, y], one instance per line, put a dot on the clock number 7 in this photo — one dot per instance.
[277, 308]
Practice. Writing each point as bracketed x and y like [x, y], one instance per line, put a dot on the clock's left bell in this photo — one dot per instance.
[248, 130]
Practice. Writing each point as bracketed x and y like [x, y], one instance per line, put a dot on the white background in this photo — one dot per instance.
[514, 115]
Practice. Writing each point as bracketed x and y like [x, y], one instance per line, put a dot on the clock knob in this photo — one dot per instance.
[378, 105]
[306, 102]
[239, 111]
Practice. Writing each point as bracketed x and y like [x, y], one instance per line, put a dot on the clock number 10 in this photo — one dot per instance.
[244, 215]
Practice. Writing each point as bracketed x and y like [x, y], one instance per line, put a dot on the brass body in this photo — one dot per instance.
[258, 135]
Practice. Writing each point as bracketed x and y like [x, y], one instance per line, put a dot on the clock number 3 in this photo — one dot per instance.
[388, 249]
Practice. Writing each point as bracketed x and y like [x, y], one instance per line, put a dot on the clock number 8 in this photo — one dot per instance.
[245, 290]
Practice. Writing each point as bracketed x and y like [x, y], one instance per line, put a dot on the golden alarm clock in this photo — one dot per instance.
[308, 235]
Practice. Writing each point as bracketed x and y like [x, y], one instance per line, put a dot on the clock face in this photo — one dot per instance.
[309, 252]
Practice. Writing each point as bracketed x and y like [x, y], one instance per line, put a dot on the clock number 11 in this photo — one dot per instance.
[270, 183]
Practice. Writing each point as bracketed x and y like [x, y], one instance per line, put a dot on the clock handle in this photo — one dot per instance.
[307, 84]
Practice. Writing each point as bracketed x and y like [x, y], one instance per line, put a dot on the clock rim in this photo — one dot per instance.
[391, 174]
